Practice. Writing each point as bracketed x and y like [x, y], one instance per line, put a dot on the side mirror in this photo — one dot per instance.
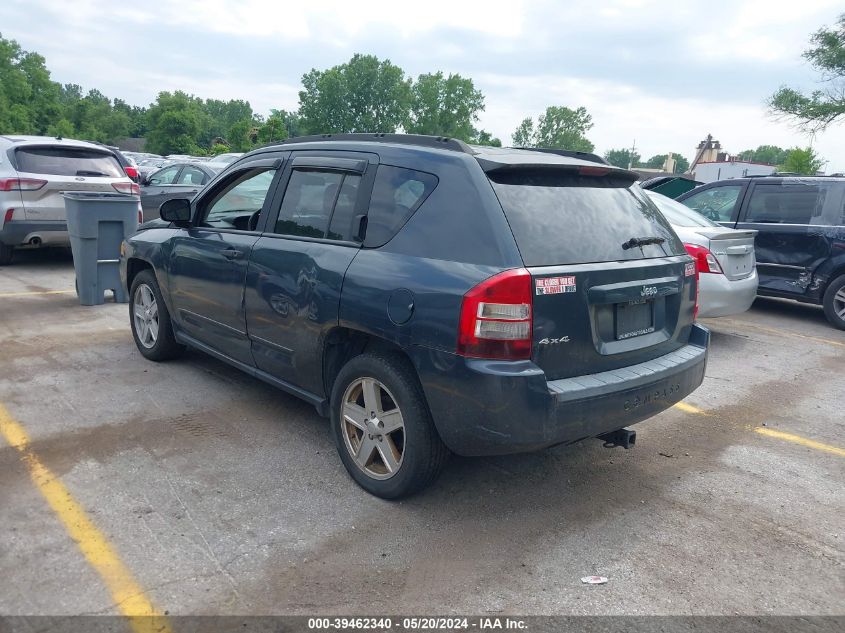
[177, 210]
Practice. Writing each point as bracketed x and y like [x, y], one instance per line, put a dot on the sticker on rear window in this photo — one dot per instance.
[689, 270]
[555, 285]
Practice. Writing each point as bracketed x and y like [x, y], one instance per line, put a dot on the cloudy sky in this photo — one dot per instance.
[663, 74]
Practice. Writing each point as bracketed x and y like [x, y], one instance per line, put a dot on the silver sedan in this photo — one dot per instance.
[724, 258]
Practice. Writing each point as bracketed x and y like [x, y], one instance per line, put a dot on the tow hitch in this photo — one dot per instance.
[623, 437]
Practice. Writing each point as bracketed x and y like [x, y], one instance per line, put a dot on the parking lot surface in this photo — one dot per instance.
[218, 494]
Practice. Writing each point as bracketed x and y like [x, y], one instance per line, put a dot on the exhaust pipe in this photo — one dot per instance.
[35, 241]
[625, 438]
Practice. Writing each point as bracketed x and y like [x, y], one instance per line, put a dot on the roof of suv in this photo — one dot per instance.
[489, 157]
[23, 139]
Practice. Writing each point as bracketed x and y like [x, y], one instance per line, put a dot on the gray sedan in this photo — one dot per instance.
[179, 180]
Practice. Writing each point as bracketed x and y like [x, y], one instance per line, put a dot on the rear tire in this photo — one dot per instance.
[150, 320]
[6, 254]
[834, 302]
[389, 463]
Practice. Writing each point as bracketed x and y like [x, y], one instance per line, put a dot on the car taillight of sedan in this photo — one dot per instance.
[705, 261]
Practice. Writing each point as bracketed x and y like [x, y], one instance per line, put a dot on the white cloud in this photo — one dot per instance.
[665, 73]
[624, 113]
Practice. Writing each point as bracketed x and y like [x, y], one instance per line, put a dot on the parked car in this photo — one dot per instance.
[724, 258]
[149, 165]
[227, 158]
[34, 171]
[428, 296]
[128, 164]
[177, 180]
[800, 224]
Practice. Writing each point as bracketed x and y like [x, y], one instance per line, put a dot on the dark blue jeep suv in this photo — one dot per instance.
[428, 296]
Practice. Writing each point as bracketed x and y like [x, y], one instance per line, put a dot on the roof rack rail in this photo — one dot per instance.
[420, 140]
[569, 153]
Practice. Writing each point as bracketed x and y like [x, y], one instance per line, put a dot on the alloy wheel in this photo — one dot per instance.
[145, 314]
[839, 303]
[373, 429]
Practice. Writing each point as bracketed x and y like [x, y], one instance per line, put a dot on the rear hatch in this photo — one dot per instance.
[613, 285]
[734, 250]
[64, 168]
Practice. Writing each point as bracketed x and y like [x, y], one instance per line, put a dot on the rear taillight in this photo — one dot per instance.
[496, 318]
[705, 261]
[127, 187]
[21, 184]
[132, 172]
[8, 216]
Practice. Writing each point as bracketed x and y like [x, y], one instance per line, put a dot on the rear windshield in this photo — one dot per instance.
[67, 161]
[559, 218]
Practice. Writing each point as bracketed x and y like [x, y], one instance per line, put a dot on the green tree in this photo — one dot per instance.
[802, 161]
[61, 129]
[769, 154]
[483, 137]
[242, 136]
[622, 158]
[275, 128]
[174, 122]
[29, 100]
[362, 95]
[815, 111]
[559, 127]
[658, 160]
[524, 134]
[444, 106]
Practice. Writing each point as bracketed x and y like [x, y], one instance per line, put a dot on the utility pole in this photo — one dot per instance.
[631, 154]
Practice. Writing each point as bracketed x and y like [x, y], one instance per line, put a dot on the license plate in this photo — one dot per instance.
[634, 319]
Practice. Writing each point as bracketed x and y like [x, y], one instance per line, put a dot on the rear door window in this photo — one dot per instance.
[309, 200]
[191, 176]
[164, 177]
[716, 203]
[67, 161]
[397, 194]
[789, 203]
[558, 218]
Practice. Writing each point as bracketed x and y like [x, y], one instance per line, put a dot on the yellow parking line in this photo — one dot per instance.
[779, 332]
[688, 408]
[803, 441]
[36, 293]
[100, 554]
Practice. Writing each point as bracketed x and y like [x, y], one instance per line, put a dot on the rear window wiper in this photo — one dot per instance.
[642, 241]
[86, 172]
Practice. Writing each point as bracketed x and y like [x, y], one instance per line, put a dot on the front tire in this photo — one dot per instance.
[383, 428]
[834, 302]
[150, 320]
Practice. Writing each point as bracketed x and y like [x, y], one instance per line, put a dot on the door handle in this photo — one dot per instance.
[231, 253]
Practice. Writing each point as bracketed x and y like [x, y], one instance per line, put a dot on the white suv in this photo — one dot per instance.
[34, 171]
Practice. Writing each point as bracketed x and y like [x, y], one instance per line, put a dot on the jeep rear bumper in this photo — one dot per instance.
[485, 407]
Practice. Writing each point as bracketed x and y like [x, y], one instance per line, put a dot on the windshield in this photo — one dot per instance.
[559, 218]
[677, 213]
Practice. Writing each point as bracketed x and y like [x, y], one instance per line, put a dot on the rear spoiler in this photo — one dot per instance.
[570, 153]
[574, 168]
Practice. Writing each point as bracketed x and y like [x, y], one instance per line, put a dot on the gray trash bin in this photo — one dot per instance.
[97, 223]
